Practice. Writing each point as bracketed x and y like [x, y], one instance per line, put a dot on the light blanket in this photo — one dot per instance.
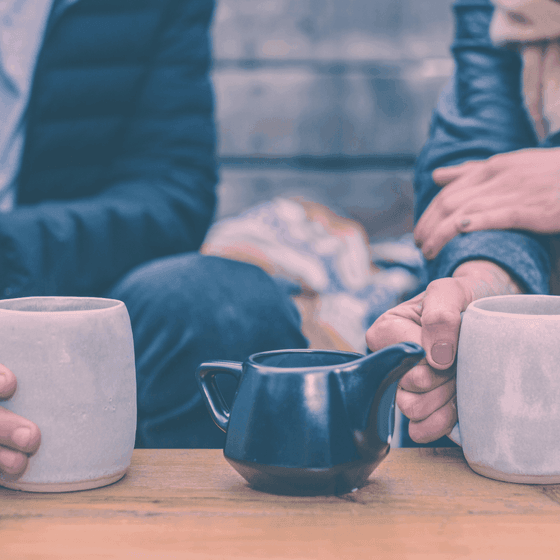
[339, 281]
[534, 27]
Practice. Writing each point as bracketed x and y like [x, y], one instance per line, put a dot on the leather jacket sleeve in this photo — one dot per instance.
[481, 113]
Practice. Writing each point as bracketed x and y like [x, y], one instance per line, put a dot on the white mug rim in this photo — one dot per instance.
[96, 305]
[477, 306]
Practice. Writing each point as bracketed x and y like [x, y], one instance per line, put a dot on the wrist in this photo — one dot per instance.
[486, 278]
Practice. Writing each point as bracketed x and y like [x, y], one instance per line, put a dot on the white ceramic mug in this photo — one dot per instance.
[74, 363]
[508, 388]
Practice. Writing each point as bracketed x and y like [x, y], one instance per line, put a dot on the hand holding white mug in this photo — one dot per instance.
[432, 319]
[508, 388]
[19, 438]
[76, 379]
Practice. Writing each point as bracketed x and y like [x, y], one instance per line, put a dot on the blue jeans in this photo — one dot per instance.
[189, 309]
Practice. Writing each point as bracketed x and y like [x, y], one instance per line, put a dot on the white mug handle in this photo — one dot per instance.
[455, 434]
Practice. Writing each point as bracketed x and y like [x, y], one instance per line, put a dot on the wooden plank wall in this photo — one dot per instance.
[329, 99]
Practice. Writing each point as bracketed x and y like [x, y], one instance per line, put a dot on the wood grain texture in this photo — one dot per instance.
[420, 503]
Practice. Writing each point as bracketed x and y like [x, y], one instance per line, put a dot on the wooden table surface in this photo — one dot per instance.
[419, 503]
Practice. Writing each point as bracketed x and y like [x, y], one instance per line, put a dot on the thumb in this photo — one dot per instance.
[443, 303]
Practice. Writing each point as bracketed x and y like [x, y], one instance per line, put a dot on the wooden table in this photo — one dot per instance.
[420, 503]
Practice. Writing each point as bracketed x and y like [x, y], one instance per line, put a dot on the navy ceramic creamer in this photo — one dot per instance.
[308, 421]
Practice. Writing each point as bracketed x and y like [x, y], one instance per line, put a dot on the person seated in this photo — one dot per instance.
[107, 188]
[487, 204]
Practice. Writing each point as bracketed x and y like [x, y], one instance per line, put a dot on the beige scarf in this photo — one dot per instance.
[534, 25]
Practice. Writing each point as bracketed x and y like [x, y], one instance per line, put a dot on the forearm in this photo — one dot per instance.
[522, 255]
[485, 278]
[82, 247]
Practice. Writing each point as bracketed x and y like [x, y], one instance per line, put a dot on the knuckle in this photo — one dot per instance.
[418, 380]
[440, 284]
[386, 330]
[443, 203]
[436, 425]
[375, 335]
[407, 404]
[378, 325]
[438, 317]
[469, 165]
[435, 312]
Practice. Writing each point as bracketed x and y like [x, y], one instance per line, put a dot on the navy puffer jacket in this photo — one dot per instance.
[118, 165]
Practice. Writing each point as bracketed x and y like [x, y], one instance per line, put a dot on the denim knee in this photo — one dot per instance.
[211, 292]
[192, 308]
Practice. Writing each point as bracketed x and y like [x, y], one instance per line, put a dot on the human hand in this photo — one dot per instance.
[514, 190]
[19, 438]
[426, 393]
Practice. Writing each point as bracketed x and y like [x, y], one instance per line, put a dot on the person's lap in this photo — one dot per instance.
[191, 308]
[188, 309]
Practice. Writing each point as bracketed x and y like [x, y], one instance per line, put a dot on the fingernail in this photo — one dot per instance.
[21, 437]
[442, 353]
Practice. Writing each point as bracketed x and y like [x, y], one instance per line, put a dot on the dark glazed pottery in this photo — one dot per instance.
[308, 422]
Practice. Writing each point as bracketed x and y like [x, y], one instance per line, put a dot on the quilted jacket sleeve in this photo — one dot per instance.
[480, 113]
[155, 194]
